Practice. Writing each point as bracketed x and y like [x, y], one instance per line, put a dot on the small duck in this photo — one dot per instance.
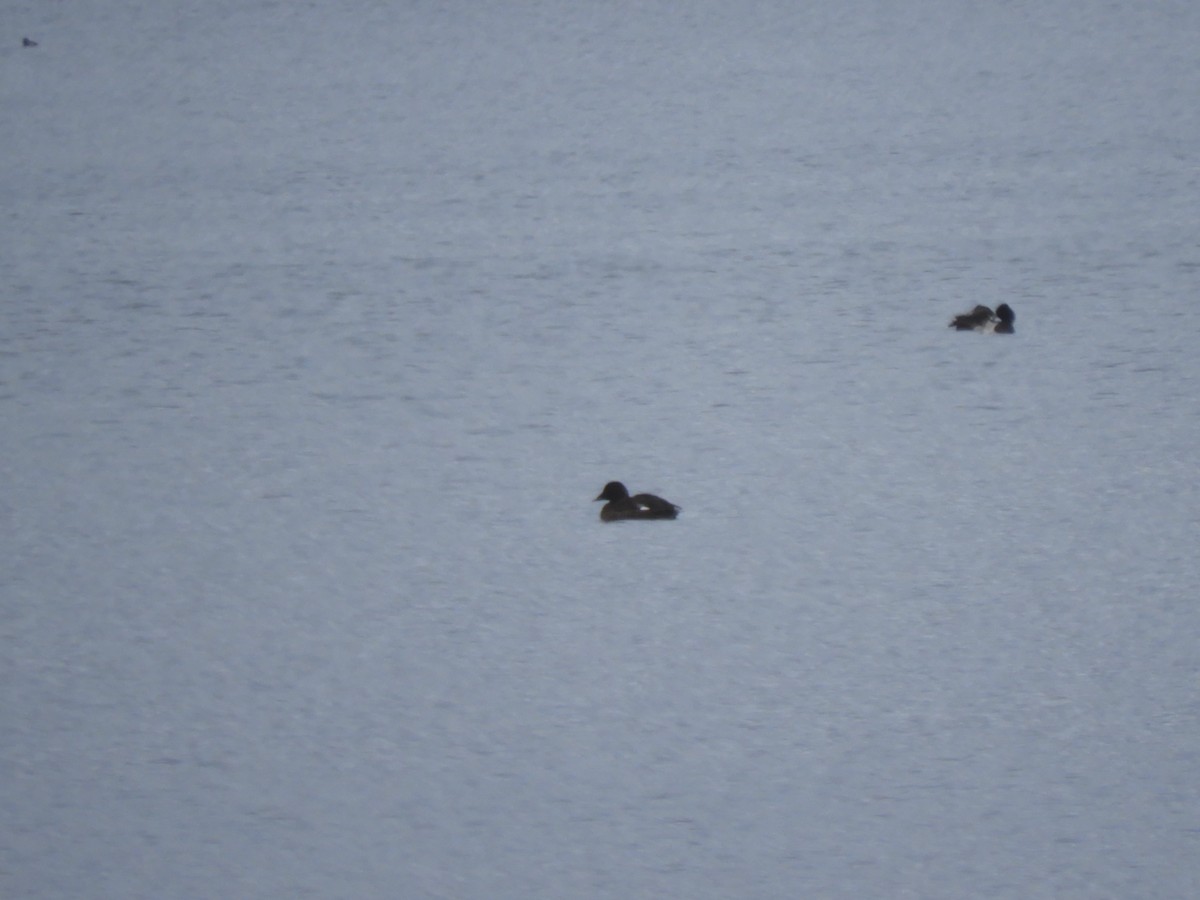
[640, 506]
[976, 320]
[1005, 317]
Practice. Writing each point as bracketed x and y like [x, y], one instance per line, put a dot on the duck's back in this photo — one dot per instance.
[652, 507]
[975, 320]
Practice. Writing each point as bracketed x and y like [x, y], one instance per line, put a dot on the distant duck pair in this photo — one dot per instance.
[983, 319]
[640, 506]
[647, 506]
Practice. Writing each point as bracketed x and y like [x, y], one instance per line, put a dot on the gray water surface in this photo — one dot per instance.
[322, 325]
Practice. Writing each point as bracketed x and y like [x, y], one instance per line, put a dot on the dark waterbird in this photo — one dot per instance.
[1005, 317]
[640, 506]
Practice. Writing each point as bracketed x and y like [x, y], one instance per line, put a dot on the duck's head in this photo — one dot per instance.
[614, 490]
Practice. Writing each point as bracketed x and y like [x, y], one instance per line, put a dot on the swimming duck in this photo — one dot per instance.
[976, 320]
[1005, 317]
[640, 506]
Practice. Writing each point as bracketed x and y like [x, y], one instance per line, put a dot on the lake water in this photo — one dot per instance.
[323, 323]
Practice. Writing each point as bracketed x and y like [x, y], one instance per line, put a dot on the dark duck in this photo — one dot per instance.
[640, 506]
[1004, 319]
